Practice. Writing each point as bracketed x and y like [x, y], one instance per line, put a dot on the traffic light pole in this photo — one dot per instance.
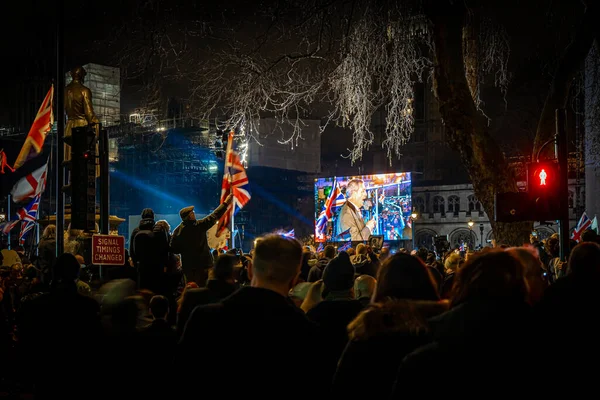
[60, 131]
[561, 148]
[104, 183]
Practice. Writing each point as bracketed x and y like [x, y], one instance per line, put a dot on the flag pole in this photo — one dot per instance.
[227, 155]
[232, 224]
[37, 227]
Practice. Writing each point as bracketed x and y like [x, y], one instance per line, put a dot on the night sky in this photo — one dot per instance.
[98, 31]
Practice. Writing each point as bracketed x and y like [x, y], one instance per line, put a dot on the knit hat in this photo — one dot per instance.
[339, 273]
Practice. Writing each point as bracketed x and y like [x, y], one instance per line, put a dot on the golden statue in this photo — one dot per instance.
[79, 109]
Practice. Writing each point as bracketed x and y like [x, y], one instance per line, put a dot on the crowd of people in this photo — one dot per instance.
[286, 321]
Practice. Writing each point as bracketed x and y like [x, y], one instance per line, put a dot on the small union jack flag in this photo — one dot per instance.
[289, 234]
[584, 224]
[29, 216]
[7, 226]
[235, 181]
[345, 247]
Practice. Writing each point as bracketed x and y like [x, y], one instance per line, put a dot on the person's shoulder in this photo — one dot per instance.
[194, 293]
[208, 311]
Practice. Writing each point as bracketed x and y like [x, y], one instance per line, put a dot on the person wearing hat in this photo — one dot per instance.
[189, 239]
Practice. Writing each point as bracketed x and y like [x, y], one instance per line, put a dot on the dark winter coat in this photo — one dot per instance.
[380, 337]
[189, 240]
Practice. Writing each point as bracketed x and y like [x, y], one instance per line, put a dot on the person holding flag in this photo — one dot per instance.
[190, 241]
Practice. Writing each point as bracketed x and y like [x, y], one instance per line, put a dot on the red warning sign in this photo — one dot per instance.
[108, 250]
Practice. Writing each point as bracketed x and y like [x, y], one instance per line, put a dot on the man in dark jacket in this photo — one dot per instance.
[260, 330]
[189, 240]
[149, 248]
[220, 285]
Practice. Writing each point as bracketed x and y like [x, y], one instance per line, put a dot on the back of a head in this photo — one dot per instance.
[49, 232]
[163, 225]
[365, 285]
[338, 275]
[422, 253]
[494, 276]
[452, 262]
[224, 266]
[361, 249]
[403, 276]
[329, 251]
[66, 268]
[553, 246]
[277, 258]
[587, 236]
[529, 258]
[585, 259]
[159, 306]
[430, 258]
[147, 213]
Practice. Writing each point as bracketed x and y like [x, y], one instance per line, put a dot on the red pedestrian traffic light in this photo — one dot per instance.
[543, 190]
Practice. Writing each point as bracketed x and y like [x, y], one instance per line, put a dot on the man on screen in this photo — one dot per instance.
[350, 216]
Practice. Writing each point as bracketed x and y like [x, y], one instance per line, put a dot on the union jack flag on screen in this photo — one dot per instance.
[235, 181]
[335, 200]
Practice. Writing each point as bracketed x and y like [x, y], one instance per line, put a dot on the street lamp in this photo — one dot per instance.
[470, 223]
[414, 216]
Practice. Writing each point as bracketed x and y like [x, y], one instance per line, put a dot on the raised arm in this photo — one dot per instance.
[208, 221]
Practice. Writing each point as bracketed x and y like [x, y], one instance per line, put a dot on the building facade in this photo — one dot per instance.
[453, 212]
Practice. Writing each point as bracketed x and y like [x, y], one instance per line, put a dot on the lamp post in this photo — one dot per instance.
[414, 216]
[481, 230]
[471, 223]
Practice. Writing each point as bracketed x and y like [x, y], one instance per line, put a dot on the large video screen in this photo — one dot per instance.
[352, 208]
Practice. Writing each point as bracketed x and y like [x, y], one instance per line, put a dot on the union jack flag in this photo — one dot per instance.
[235, 181]
[320, 248]
[29, 217]
[8, 225]
[38, 132]
[345, 247]
[335, 200]
[289, 234]
[26, 215]
[584, 224]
